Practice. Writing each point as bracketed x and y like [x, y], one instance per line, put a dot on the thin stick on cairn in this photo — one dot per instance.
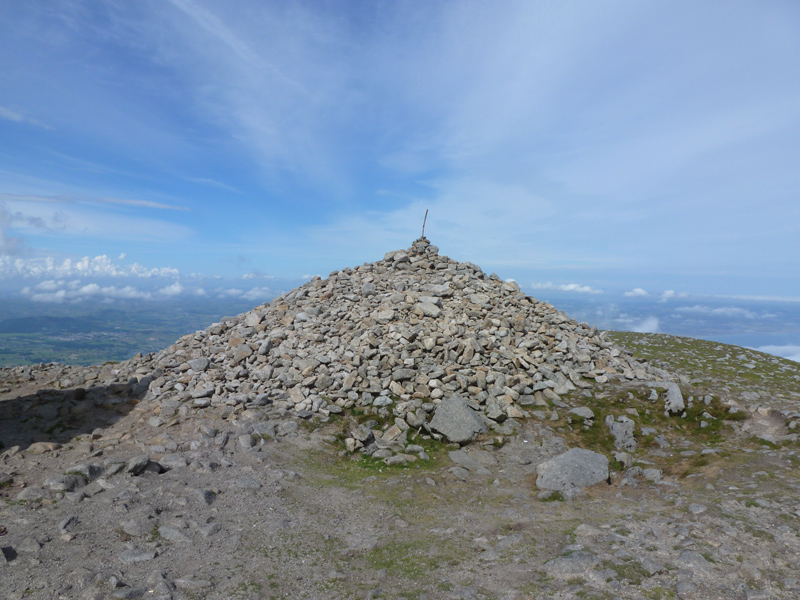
[423, 223]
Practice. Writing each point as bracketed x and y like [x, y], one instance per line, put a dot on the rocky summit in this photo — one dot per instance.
[407, 428]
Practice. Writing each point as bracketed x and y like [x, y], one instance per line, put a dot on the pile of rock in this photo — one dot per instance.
[395, 337]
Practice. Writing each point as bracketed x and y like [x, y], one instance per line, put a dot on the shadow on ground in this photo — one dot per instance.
[57, 416]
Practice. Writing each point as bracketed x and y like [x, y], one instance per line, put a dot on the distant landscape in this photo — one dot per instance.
[85, 334]
[80, 335]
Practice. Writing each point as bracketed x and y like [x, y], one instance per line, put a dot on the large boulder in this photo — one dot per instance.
[455, 420]
[575, 469]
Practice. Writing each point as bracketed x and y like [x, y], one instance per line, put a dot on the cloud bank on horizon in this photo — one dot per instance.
[606, 148]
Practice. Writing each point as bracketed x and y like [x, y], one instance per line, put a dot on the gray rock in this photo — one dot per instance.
[455, 420]
[64, 483]
[173, 461]
[576, 468]
[622, 430]
[574, 565]
[139, 527]
[33, 493]
[697, 509]
[174, 535]
[199, 364]
[246, 441]
[136, 555]
[204, 392]
[287, 427]
[673, 401]
[88, 471]
[428, 309]
[695, 561]
[583, 411]
[68, 524]
[463, 459]
[137, 464]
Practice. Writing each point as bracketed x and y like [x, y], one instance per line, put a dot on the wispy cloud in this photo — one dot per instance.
[19, 117]
[671, 294]
[569, 287]
[722, 311]
[256, 294]
[88, 200]
[637, 293]
[93, 218]
[213, 183]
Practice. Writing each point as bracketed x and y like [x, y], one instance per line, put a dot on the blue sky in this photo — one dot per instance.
[581, 148]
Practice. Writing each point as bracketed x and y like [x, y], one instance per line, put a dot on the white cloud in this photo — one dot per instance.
[636, 293]
[789, 351]
[257, 275]
[670, 294]
[75, 291]
[258, 294]
[122, 256]
[200, 292]
[569, 287]
[724, 311]
[172, 290]
[99, 266]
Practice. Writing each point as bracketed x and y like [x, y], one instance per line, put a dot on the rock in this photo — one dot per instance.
[174, 535]
[136, 555]
[576, 468]
[33, 493]
[697, 509]
[622, 430]
[139, 527]
[673, 402]
[199, 364]
[88, 471]
[173, 461]
[583, 411]
[137, 464]
[455, 420]
[64, 483]
[462, 459]
[695, 561]
[571, 566]
[43, 447]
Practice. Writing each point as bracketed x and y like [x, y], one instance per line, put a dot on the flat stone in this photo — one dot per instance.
[174, 535]
[463, 459]
[574, 565]
[136, 555]
[455, 420]
[576, 468]
[199, 364]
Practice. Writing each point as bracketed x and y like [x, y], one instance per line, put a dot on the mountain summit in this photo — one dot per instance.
[397, 335]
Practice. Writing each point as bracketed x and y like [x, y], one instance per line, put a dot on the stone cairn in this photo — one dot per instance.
[397, 337]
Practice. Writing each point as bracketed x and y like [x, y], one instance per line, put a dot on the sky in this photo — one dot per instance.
[607, 152]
